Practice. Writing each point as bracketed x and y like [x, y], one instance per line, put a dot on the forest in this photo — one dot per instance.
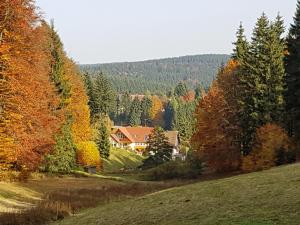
[161, 75]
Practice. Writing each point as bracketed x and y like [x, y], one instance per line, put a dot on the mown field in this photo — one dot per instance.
[262, 198]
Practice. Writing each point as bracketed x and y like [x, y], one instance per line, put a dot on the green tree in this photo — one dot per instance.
[241, 45]
[181, 89]
[57, 67]
[103, 141]
[135, 113]
[261, 77]
[126, 106]
[62, 159]
[146, 105]
[292, 95]
[89, 86]
[158, 149]
[104, 95]
[184, 121]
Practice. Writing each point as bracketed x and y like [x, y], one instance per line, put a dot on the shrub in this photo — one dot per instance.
[88, 154]
[272, 147]
[175, 169]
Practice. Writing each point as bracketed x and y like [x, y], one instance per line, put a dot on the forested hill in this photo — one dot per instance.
[161, 75]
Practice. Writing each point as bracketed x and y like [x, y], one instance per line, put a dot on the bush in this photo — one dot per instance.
[88, 154]
[272, 147]
[175, 169]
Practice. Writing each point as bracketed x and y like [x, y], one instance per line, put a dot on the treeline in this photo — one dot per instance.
[249, 118]
[44, 113]
[159, 76]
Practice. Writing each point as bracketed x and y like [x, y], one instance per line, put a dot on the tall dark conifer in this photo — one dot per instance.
[135, 113]
[293, 76]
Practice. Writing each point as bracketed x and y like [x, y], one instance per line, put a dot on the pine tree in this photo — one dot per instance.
[170, 113]
[135, 113]
[158, 149]
[62, 158]
[292, 95]
[241, 46]
[261, 79]
[181, 89]
[146, 105]
[103, 141]
[90, 92]
[58, 68]
[104, 95]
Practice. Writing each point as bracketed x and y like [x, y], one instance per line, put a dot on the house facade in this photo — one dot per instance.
[135, 139]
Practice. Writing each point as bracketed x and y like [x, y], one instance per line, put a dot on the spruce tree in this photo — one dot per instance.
[126, 106]
[158, 148]
[103, 141]
[146, 105]
[292, 95]
[261, 79]
[62, 159]
[181, 89]
[241, 45]
[90, 92]
[103, 94]
[135, 113]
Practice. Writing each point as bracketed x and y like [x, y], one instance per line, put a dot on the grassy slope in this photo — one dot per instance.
[263, 198]
[121, 159]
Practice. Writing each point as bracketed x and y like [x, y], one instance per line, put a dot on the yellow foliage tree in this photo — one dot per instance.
[156, 110]
[88, 154]
[78, 105]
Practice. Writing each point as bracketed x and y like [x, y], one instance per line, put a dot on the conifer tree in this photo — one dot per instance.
[292, 95]
[62, 158]
[261, 79]
[181, 89]
[103, 141]
[104, 95]
[158, 149]
[241, 45]
[135, 113]
[90, 92]
[146, 105]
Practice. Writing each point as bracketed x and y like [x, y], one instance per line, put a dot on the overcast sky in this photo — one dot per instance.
[99, 31]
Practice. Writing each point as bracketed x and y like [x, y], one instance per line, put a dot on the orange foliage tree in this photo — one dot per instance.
[25, 70]
[156, 110]
[272, 146]
[217, 129]
[214, 139]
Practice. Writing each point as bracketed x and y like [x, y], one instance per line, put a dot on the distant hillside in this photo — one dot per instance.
[161, 75]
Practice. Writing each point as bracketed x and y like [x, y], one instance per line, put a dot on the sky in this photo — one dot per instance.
[102, 31]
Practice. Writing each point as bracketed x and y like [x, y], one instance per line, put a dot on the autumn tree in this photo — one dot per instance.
[156, 110]
[214, 138]
[272, 147]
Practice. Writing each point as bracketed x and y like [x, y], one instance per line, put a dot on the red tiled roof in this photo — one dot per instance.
[139, 134]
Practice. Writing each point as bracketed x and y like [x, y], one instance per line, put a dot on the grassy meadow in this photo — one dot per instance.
[260, 198]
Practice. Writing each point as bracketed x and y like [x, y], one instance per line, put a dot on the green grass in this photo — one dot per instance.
[121, 159]
[262, 198]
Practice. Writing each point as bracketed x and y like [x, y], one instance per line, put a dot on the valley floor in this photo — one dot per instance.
[262, 198]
